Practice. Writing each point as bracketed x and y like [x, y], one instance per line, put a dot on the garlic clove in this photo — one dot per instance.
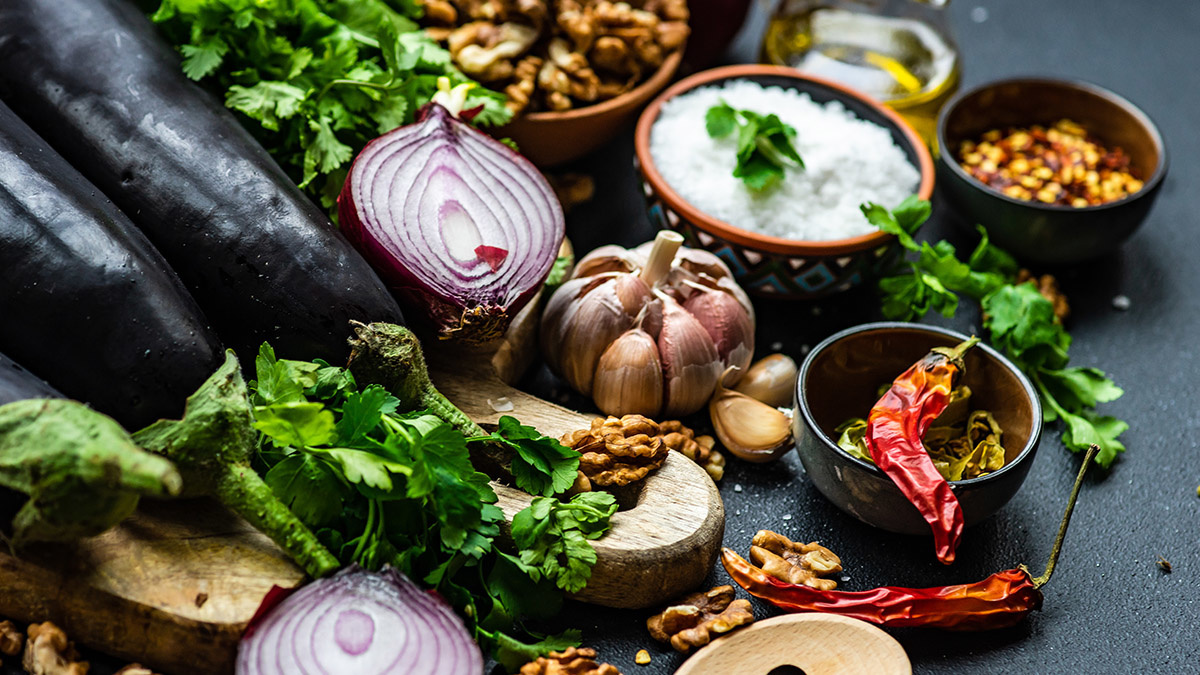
[629, 378]
[689, 360]
[578, 328]
[747, 427]
[725, 319]
[771, 380]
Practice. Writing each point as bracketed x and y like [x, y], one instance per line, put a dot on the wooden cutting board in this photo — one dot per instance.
[174, 586]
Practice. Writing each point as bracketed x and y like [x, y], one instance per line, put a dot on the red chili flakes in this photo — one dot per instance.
[1061, 165]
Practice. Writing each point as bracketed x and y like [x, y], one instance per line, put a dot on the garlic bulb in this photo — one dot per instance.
[771, 380]
[648, 330]
[747, 427]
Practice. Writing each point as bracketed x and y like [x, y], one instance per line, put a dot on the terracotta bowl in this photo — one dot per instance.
[552, 138]
[1033, 231]
[839, 379]
[771, 266]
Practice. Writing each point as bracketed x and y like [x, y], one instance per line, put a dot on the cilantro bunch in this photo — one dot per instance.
[764, 144]
[380, 486]
[316, 79]
[1020, 321]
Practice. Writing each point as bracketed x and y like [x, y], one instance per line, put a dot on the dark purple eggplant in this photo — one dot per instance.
[95, 80]
[85, 300]
[18, 384]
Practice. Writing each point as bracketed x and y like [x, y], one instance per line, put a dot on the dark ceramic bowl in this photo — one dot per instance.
[1033, 231]
[772, 266]
[838, 380]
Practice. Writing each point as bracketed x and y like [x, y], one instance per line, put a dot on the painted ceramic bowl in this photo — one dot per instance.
[1031, 230]
[766, 265]
[839, 380]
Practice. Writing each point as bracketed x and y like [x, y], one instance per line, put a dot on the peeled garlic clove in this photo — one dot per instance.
[771, 380]
[749, 428]
[628, 377]
[731, 330]
[689, 361]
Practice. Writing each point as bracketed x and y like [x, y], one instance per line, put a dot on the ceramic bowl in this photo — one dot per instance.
[771, 266]
[549, 139]
[1033, 231]
[838, 380]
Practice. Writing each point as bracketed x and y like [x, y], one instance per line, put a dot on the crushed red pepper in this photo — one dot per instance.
[1001, 600]
[1061, 165]
[895, 428]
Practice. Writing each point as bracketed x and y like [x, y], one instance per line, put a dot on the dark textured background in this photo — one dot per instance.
[1109, 608]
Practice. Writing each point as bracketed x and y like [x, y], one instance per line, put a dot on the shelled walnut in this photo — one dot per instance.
[49, 652]
[698, 449]
[11, 639]
[618, 451]
[794, 562]
[573, 661]
[558, 54]
[700, 617]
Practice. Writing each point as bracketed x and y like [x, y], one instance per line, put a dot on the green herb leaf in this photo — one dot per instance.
[553, 536]
[200, 60]
[309, 487]
[720, 120]
[543, 466]
[513, 653]
[764, 144]
[362, 412]
[295, 424]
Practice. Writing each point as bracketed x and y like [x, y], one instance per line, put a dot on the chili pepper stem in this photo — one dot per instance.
[1040, 581]
[955, 354]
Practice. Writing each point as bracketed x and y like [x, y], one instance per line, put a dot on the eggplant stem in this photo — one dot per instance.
[1041, 580]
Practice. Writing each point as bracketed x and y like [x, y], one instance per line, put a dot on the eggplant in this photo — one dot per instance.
[85, 300]
[18, 384]
[95, 80]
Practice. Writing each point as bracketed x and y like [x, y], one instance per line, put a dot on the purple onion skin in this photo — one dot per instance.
[485, 173]
[363, 623]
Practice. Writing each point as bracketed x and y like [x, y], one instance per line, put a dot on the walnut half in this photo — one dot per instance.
[11, 639]
[793, 562]
[48, 652]
[699, 618]
[573, 661]
[618, 451]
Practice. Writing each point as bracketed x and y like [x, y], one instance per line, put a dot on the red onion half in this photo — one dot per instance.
[363, 623]
[460, 225]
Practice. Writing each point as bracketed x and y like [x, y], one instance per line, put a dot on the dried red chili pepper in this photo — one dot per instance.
[895, 428]
[999, 601]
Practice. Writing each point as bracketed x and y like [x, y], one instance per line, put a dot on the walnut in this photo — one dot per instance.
[555, 86]
[618, 451]
[11, 639]
[1047, 285]
[700, 617]
[672, 34]
[441, 12]
[614, 55]
[793, 562]
[485, 51]
[668, 10]
[521, 90]
[48, 652]
[700, 450]
[582, 82]
[573, 661]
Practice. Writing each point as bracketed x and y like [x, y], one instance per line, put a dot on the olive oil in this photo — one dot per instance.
[900, 60]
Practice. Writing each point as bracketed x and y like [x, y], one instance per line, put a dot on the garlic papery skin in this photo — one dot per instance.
[727, 323]
[747, 427]
[629, 378]
[772, 380]
[689, 361]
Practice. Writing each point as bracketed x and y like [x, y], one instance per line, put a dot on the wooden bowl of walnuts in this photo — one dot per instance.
[576, 72]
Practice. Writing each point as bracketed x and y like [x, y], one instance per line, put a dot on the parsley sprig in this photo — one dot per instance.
[380, 486]
[764, 144]
[1020, 321]
[316, 79]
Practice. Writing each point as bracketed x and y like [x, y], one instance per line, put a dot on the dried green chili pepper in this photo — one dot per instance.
[895, 427]
[1001, 600]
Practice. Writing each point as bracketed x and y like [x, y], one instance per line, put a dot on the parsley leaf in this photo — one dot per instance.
[552, 536]
[543, 466]
[512, 654]
[295, 424]
[764, 144]
[309, 487]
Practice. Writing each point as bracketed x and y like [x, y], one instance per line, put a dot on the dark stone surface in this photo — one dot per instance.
[1109, 608]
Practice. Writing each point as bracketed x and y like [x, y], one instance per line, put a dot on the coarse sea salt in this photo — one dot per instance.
[848, 161]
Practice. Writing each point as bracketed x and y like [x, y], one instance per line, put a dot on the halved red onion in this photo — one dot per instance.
[359, 622]
[461, 226]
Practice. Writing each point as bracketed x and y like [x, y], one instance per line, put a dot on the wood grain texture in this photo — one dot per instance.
[817, 644]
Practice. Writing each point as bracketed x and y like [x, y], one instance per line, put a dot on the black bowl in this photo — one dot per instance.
[839, 380]
[1033, 231]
